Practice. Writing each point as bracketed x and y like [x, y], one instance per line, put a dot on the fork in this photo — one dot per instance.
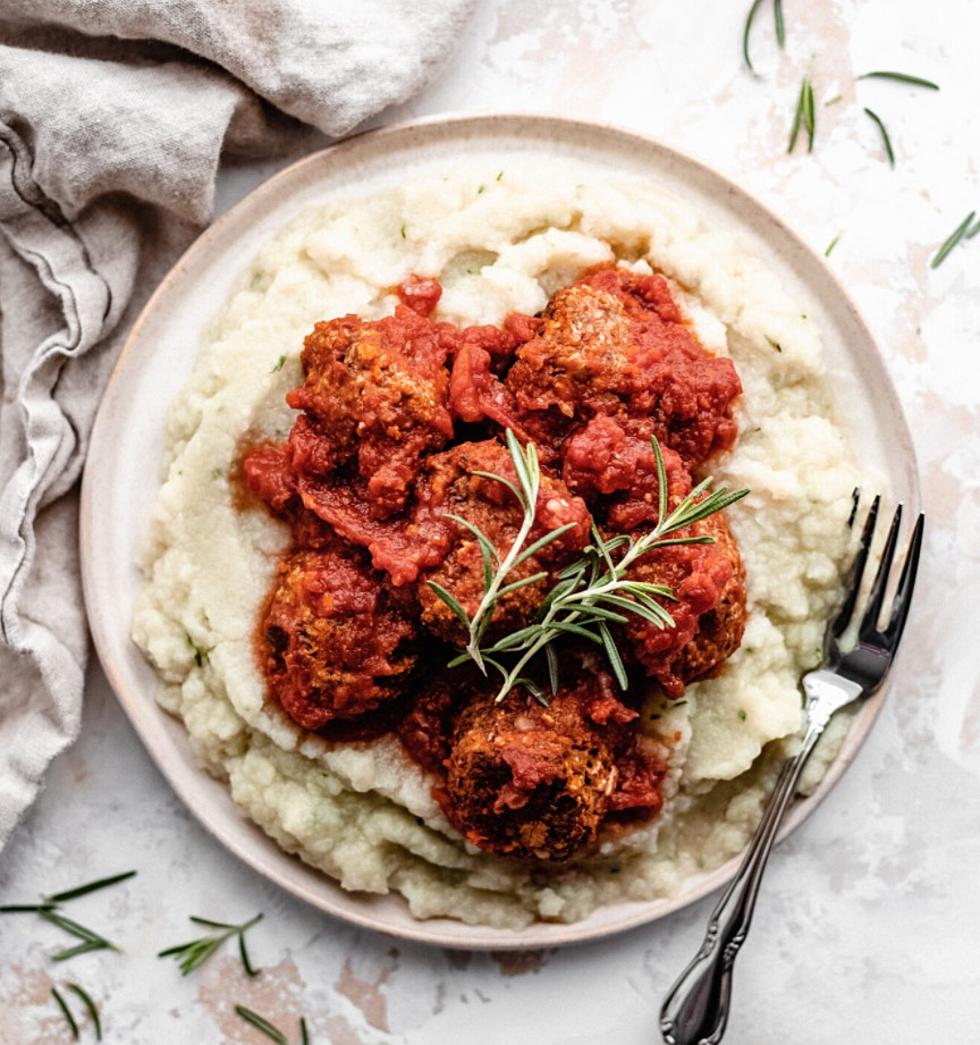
[696, 1009]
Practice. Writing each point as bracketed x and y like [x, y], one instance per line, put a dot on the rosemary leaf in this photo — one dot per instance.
[90, 1005]
[270, 1030]
[89, 887]
[746, 32]
[82, 948]
[304, 1034]
[833, 243]
[777, 10]
[243, 952]
[66, 1012]
[17, 908]
[615, 660]
[552, 659]
[884, 135]
[523, 583]
[886, 74]
[543, 542]
[451, 603]
[972, 232]
[955, 236]
[809, 113]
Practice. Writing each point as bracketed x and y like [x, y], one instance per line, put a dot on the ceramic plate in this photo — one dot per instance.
[122, 475]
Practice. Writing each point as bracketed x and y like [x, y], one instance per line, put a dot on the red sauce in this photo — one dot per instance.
[396, 417]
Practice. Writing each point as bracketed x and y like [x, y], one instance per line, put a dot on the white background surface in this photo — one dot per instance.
[869, 925]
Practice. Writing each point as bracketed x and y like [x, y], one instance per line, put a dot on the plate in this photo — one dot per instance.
[122, 474]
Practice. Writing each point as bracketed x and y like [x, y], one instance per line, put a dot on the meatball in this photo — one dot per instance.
[451, 487]
[709, 613]
[333, 642]
[614, 344]
[528, 781]
[376, 392]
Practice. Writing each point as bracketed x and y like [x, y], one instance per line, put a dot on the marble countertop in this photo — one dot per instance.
[870, 918]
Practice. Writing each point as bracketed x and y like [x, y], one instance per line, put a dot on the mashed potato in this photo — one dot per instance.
[498, 241]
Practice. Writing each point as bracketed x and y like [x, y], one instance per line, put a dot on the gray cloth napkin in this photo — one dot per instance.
[113, 117]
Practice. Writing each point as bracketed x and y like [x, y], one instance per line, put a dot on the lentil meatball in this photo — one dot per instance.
[333, 641]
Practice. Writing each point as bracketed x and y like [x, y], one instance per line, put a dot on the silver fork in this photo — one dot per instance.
[695, 1011]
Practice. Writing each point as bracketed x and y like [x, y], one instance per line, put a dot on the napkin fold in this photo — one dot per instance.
[114, 116]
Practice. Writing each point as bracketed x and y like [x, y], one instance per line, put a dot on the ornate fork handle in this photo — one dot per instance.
[695, 1011]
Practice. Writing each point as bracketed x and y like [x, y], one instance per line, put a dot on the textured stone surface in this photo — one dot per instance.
[870, 915]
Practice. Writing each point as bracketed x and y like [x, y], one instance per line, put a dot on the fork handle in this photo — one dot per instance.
[695, 1011]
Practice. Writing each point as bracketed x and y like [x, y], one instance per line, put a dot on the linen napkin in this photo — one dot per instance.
[114, 115]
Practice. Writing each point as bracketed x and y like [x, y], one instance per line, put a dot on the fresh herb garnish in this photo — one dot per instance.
[746, 32]
[884, 136]
[777, 11]
[91, 941]
[500, 174]
[65, 1011]
[280, 363]
[804, 116]
[590, 594]
[90, 1006]
[830, 247]
[886, 74]
[89, 887]
[194, 954]
[403, 230]
[270, 1030]
[833, 101]
[955, 236]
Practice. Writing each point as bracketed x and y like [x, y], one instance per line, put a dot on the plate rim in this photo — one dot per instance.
[538, 934]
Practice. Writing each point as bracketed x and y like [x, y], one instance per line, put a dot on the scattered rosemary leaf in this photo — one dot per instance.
[777, 10]
[957, 234]
[809, 114]
[90, 1005]
[66, 1012]
[775, 344]
[270, 1030]
[280, 363]
[746, 32]
[884, 136]
[830, 248]
[89, 887]
[91, 941]
[833, 101]
[500, 174]
[886, 74]
[304, 1034]
[16, 908]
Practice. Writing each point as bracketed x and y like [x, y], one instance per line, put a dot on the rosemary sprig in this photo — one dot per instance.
[270, 1030]
[746, 32]
[65, 1011]
[90, 1006]
[777, 11]
[884, 135]
[962, 230]
[495, 569]
[594, 591]
[195, 953]
[886, 74]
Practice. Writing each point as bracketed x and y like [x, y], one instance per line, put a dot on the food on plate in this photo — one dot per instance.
[444, 580]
